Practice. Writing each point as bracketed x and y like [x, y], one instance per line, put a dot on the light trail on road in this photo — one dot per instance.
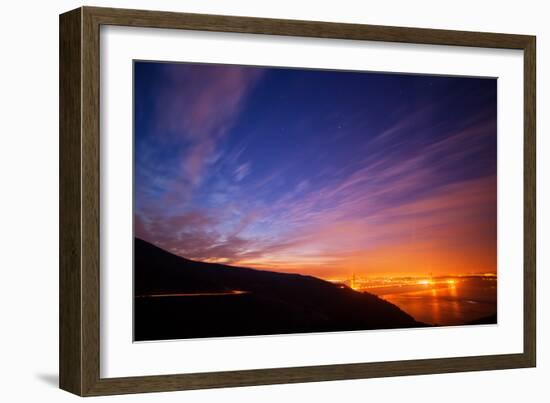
[194, 294]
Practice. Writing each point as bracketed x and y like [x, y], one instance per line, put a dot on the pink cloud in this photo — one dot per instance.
[199, 107]
[391, 203]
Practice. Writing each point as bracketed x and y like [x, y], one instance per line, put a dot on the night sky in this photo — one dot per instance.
[316, 172]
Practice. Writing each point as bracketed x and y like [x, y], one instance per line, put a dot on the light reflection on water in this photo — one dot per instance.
[446, 304]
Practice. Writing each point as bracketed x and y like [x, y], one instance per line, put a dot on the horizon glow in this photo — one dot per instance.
[318, 172]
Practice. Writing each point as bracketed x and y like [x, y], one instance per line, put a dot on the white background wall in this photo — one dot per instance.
[29, 198]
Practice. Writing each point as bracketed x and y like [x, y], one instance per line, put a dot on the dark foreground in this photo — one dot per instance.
[176, 298]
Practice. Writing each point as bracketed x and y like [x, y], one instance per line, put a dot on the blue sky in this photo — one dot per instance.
[316, 171]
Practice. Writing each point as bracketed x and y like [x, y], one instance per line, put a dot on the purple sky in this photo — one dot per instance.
[319, 172]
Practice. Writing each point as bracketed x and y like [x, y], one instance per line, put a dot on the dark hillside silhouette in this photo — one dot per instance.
[177, 298]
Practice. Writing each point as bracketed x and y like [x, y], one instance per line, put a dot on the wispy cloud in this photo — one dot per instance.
[195, 106]
[242, 171]
[418, 193]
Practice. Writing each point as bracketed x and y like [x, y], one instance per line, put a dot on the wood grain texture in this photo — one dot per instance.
[79, 201]
[530, 201]
[90, 202]
[70, 312]
[317, 29]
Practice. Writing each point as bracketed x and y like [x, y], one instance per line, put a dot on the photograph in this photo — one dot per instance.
[273, 200]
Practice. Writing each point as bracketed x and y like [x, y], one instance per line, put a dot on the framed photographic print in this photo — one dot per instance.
[249, 201]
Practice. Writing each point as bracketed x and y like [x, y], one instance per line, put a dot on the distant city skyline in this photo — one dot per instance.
[325, 173]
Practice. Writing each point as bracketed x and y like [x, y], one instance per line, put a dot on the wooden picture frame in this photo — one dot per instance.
[79, 346]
